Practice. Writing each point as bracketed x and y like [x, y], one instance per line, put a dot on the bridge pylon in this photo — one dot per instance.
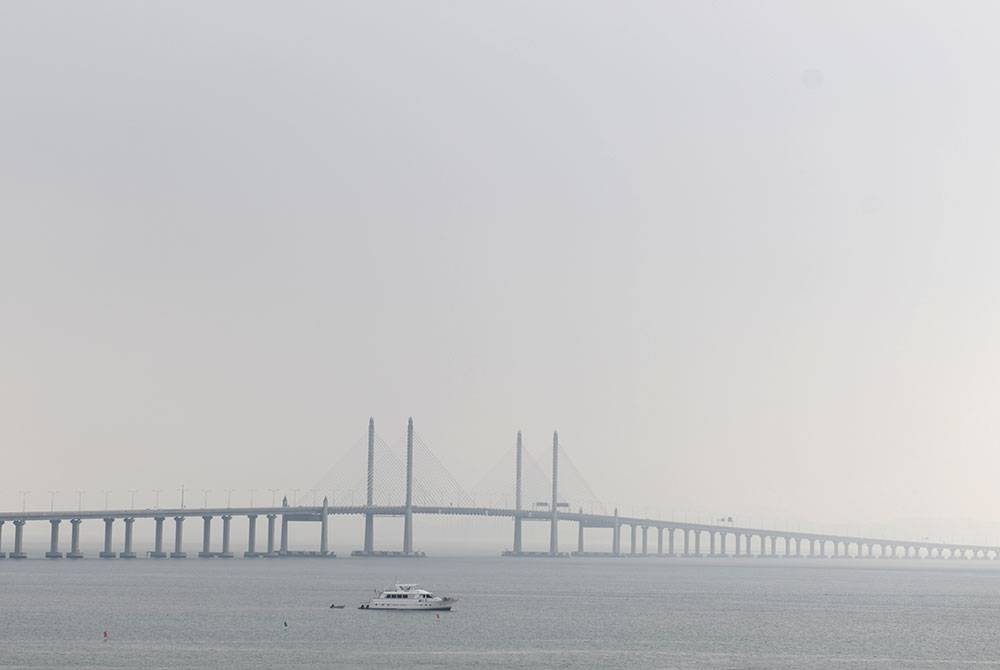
[517, 494]
[554, 528]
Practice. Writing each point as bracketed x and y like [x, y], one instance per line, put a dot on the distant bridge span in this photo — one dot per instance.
[673, 538]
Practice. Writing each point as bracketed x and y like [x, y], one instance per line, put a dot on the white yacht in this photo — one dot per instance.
[408, 597]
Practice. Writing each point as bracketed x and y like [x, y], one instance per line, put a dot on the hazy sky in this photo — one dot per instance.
[741, 254]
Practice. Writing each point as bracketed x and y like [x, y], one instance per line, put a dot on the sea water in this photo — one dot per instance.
[513, 613]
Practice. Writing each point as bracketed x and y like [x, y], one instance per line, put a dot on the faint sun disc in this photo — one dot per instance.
[812, 78]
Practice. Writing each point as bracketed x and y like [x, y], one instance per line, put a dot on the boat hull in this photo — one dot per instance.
[415, 607]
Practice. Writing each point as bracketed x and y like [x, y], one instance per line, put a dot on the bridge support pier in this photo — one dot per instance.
[178, 551]
[697, 544]
[158, 539]
[579, 536]
[74, 539]
[108, 549]
[722, 543]
[18, 540]
[206, 537]
[659, 541]
[324, 529]
[687, 542]
[251, 551]
[645, 540]
[284, 535]
[128, 553]
[736, 545]
[3, 554]
[616, 536]
[53, 551]
[711, 543]
[370, 533]
[631, 546]
[670, 542]
[226, 552]
[270, 534]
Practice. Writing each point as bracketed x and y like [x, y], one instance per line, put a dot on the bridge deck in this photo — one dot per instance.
[587, 520]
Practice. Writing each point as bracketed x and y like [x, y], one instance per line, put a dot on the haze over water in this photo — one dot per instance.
[573, 613]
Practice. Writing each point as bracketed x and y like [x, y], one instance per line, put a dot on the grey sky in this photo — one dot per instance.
[741, 254]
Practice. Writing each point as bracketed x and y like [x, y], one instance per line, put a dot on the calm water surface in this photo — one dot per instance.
[527, 613]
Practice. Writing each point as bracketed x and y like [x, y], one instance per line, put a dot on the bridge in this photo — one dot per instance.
[673, 538]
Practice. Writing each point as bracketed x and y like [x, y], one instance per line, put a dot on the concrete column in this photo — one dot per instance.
[108, 527]
[128, 553]
[631, 546]
[284, 535]
[616, 536]
[370, 497]
[18, 540]
[736, 545]
[408, 512]
[3, 554]
[579, 538]
[158, 541]
[722, 543]
[324, 528]
[771, 552]
[178, 551]
[554, 527]
[270, 534]
[517, 494]
[53, 551]
[711, 543]
[697, 543]
[645, 540]
[659, 541]
[226, 552]
[687, 541]
[670, 541]
[251, 551]
[206, 537]
[798, 547]
[74, 539]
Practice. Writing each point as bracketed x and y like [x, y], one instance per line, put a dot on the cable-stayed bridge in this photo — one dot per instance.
[382, 484]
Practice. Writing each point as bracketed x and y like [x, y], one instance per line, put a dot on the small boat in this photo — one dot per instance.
[337, 607]
[409, 598]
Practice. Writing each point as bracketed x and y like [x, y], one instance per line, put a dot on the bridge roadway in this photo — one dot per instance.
[747, 540]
